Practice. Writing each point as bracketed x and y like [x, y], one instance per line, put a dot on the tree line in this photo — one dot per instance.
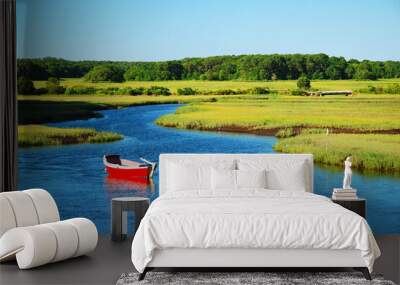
[241, 67]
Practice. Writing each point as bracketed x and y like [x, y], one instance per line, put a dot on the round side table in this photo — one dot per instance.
[119, 214]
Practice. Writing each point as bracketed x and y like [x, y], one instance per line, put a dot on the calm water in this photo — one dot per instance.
[75, 174]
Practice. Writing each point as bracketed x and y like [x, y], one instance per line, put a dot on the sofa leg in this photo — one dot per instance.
[364, 271]
[143, 274]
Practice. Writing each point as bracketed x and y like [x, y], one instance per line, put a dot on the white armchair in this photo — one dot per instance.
[32, 233]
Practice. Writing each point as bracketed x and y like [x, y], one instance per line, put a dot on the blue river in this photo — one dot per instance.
[75, 176]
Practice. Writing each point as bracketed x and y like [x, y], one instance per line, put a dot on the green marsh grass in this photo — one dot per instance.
[358, 113]
[280, 85]
[38, 135]
[302, 119]
[369, 151]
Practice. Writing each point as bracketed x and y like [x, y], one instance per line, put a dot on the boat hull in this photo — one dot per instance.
[143, 172]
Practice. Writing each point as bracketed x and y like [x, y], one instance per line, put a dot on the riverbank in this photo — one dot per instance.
[38, 135]
[366, 126]
[255, 114]
[372, 152]
[58, 108]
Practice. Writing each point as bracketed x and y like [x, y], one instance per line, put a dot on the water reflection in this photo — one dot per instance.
[142, 184]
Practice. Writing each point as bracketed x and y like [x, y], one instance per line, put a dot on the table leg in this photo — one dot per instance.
[116, 221]
[140, 211]
[124, 222]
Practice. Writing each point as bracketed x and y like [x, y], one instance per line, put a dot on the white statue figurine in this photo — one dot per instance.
[347, 173]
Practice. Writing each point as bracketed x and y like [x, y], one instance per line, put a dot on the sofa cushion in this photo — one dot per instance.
[41, 244]
[23, 208]
[7, 216]
[46, 207]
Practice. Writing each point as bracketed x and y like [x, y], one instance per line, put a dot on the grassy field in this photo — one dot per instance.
[266, 116]
[280, 85]
[290, 115]
[37, 135]
[351, 120]
[377, 152]
[54, 108]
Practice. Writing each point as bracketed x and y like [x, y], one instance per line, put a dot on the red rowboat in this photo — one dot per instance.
[125, 169]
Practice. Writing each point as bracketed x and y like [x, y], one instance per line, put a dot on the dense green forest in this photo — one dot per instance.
[241, 67]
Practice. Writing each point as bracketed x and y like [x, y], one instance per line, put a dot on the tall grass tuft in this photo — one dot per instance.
[369, 151]
[38, 135]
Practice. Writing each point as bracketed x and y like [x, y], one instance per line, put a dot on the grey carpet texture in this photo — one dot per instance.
[228, 278]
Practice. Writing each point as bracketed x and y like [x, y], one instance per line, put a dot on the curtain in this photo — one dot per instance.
[8, 100]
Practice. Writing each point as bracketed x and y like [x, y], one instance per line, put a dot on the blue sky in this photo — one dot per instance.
[173, 29]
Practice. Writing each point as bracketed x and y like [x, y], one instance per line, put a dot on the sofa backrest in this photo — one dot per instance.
[26, 208]
[280, 163]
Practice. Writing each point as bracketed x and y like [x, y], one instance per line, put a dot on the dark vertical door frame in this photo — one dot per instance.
[8, 100]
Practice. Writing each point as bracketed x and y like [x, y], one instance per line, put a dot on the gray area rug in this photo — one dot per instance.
[228, 278]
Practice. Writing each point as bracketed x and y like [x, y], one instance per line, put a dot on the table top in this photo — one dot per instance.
[349, 200]
[130, 199]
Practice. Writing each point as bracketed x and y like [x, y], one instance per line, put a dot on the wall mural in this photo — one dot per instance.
[78, 118]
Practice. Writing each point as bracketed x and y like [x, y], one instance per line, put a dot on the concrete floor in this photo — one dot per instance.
[110, 260]
[103, 266]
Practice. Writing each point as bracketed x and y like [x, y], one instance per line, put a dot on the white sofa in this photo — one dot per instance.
[31, 231]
